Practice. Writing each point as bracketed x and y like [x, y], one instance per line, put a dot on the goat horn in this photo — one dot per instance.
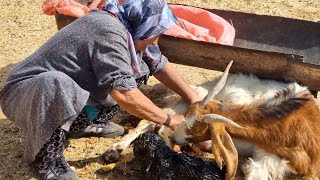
[190, 121]
[211, 118]
[217, 87]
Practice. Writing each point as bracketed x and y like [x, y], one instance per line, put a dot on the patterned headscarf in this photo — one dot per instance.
[143, 19]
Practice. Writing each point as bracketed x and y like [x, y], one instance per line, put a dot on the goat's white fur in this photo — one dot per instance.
[265, 166]
[244, 89]
[239, 89]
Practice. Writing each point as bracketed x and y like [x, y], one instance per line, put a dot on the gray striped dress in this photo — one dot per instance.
[84, 60]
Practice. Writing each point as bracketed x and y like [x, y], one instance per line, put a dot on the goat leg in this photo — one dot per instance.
[113, 155]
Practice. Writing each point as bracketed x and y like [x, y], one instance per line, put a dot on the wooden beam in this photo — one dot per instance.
[263, 64]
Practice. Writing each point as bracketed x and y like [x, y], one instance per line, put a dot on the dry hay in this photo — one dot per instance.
[24, 28]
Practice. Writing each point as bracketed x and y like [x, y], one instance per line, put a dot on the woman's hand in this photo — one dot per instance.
[194, 97]
[175, 120]
[171, 79]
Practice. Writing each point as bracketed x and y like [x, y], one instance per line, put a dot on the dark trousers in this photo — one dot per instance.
[54, 146]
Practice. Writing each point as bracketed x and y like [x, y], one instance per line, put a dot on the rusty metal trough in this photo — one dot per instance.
[267, 46]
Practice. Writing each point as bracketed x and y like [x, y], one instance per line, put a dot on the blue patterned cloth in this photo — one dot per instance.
[143, 19]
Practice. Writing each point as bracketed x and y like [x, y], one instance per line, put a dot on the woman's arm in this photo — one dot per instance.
[137, 104]
[170, 78]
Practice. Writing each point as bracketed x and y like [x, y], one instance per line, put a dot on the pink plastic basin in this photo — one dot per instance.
[201, 25]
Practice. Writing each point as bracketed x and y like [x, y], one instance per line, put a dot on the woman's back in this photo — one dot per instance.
[80, 50]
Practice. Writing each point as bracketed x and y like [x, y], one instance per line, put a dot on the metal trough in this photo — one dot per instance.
[267, 46]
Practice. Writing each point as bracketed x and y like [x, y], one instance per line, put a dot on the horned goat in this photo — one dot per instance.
[283, 126]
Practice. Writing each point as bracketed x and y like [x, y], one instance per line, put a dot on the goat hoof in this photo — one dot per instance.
[111, 156]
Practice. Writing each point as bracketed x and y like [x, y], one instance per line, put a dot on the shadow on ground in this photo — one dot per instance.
[12, 165]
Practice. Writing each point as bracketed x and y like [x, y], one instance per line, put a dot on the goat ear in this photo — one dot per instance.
[224, 150]
[214, 118]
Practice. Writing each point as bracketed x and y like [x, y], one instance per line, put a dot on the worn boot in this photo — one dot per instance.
[58, 169]
[50, 162]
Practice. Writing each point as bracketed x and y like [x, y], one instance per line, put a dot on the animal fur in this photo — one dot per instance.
[245, 90]
[281, 119]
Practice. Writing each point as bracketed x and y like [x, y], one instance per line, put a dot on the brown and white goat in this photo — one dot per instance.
[286, 125]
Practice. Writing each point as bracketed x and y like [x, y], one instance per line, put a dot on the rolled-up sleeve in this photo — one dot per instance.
[111, 61]
[154, 59]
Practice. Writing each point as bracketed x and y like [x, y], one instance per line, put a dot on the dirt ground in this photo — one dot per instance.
[24, 28]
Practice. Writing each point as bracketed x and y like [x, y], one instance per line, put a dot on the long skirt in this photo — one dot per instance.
[39, 105]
